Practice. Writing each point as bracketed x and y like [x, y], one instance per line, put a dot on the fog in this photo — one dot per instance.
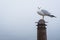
[18, 17]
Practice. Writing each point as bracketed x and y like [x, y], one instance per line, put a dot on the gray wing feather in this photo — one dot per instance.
[45, 12]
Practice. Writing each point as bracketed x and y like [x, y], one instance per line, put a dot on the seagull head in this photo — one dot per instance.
[39, 8]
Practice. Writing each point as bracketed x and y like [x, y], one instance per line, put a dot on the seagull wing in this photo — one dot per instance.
[45, 12]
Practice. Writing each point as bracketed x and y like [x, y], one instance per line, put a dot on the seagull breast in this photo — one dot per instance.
[40, 13]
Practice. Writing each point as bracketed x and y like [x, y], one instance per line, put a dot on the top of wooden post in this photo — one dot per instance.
[41, 22]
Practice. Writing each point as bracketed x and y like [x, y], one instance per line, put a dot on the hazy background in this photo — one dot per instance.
[18, 17]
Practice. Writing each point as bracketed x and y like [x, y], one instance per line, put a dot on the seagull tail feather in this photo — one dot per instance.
[52, 16]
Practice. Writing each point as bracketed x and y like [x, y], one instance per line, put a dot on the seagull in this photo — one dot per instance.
[44, 13]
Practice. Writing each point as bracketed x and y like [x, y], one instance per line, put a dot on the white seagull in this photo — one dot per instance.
[44, 13]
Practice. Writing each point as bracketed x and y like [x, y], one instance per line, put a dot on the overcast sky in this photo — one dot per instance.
[18, 17]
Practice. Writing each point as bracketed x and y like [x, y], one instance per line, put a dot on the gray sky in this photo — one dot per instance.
[18, 17]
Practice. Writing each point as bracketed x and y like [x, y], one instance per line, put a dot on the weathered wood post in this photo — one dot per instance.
[41, 30]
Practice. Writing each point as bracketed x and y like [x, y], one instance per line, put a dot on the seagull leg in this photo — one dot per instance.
[42, 17]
